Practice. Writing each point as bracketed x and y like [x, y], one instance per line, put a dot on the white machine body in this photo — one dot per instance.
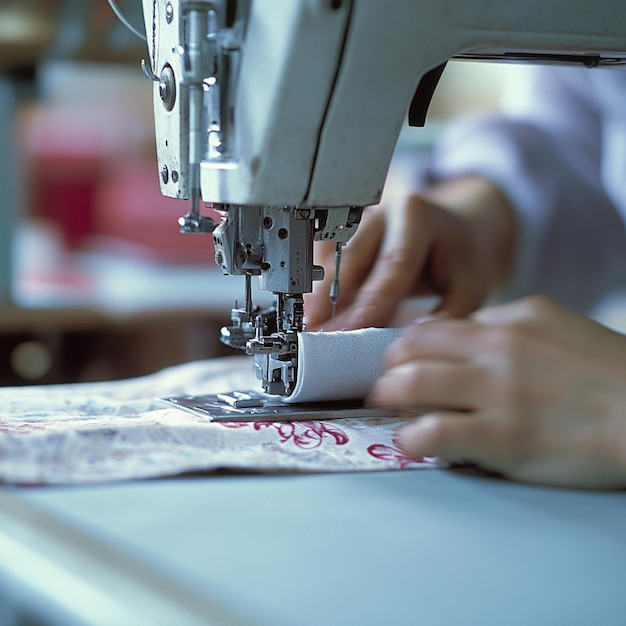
[283, 115]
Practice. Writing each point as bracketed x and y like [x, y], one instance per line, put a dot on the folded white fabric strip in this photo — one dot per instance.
[340, 365]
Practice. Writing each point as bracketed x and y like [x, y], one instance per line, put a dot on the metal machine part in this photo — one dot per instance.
[283, 116]
[275, 244]
[195, 56]
[250, 406]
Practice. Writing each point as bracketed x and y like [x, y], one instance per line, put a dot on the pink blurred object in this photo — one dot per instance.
[66, 150]
[93, 173]
[129, 208]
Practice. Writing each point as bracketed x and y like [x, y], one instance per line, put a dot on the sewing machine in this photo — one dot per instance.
[283, 115]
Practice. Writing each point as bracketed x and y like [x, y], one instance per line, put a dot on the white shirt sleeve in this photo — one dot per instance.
[548, 153]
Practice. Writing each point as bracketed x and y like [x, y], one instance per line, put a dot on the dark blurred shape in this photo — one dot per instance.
[82, 30]
[27, 30]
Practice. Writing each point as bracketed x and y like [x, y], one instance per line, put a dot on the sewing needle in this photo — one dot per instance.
[334, 288]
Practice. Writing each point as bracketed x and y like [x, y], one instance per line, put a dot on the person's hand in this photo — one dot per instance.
[418, 248]
[530, 390]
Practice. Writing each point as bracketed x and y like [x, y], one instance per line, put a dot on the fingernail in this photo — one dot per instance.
[364, 318]
[410, 436]
[404, 436]
[432, 317]
[356, 319]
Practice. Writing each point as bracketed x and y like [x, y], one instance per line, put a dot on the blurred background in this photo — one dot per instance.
[95, 280]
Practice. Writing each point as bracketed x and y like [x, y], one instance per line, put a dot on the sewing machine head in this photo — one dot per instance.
[283, 116]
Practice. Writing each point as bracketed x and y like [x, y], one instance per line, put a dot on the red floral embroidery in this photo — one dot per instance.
[306, 434]
[19, 429]
[393, 453]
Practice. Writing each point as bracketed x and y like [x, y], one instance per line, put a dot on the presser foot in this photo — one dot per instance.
[275, 354]
[271, 338]
[275, 361]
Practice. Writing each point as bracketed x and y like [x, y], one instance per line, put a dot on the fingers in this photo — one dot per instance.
[448, 435]
[457, 269]
[525, 312]
[533, 313]
[438, 337]
[414, 248]
[357, 258]
[429, 383]
[524, 389]
[546, 320]
[400, 262]
[465, 291]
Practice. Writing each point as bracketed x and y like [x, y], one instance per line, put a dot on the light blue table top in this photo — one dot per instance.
[415, 547]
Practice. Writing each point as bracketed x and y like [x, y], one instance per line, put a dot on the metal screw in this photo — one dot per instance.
[174, 176]
[167, 87]
[169, 13]
[165, 174]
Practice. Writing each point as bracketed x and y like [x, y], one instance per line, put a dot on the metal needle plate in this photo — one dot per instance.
[251, 406]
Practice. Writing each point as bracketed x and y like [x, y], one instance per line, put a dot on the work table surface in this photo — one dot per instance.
[424, 546]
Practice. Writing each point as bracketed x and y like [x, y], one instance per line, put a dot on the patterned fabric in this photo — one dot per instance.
[111, 431]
